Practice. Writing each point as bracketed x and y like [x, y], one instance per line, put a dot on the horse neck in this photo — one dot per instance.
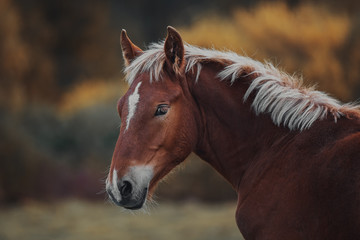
[232, 136]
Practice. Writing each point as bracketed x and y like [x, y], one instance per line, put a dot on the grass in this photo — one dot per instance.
[87, 220]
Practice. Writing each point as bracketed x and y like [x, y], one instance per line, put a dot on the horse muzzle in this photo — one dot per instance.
[131, 190]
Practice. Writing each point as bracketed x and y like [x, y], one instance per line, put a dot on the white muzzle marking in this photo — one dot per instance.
[138, 176]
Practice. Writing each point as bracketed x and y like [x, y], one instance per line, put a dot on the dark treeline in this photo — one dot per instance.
[47, 46]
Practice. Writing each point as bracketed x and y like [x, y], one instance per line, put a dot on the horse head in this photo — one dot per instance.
[158, 125]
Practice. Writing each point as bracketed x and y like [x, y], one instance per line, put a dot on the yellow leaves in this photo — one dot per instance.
[304, 39]
[91, 92]
[213, 31]
[306, 26]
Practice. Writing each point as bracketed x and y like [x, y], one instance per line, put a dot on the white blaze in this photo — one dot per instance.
[133, 101]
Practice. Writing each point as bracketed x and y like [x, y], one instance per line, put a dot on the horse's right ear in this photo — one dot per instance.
[130, 50]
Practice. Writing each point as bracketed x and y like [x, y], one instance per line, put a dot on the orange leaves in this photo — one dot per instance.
[305, 39]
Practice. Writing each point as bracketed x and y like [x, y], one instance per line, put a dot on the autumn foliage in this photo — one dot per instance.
[309, 40]
[60, 77]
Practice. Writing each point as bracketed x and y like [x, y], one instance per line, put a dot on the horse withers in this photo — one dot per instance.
[291, 153]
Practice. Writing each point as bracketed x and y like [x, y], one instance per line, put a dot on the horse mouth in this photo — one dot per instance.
[138, 202]
[132, 202]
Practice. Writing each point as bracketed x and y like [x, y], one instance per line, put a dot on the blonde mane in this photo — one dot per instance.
[276, 93]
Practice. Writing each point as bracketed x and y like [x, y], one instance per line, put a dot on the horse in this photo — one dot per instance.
[291, 153]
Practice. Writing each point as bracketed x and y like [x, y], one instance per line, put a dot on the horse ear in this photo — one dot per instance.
[130, 50]
[174, 51]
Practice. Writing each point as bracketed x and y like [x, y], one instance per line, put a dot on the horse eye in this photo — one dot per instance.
[161, 110]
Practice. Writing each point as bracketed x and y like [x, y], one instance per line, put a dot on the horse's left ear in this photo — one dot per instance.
[174, 51]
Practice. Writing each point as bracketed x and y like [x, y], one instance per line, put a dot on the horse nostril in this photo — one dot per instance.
[126, 189]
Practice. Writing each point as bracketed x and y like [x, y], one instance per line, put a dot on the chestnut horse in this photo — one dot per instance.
[291, 153]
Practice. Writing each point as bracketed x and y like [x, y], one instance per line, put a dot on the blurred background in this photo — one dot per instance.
[61, 76]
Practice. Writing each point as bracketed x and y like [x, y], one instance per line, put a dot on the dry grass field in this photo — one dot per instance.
[87, 220]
